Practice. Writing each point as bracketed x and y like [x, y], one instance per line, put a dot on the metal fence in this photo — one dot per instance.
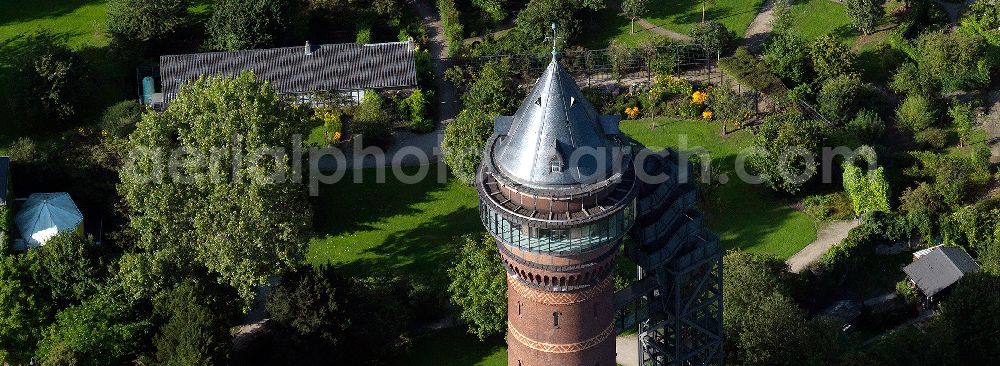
[602, 66]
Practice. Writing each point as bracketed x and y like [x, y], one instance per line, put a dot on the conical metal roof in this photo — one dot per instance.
[553, 123]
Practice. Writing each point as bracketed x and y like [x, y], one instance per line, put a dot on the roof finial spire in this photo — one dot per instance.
[554, 38]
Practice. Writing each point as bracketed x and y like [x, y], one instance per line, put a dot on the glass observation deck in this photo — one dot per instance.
[559, 241]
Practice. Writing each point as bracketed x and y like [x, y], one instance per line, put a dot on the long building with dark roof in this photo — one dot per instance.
[345, 67]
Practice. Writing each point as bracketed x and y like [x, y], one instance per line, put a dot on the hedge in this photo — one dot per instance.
[452, 25]
[751, 72]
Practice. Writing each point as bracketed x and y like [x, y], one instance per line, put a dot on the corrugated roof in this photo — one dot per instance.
[940, 269]
[345, 66]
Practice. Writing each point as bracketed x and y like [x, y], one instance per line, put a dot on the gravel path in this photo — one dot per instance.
[644, 24]
[627, 347]
[761, 26]
[831, 234]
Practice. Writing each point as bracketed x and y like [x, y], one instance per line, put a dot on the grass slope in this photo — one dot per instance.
[682, 15]
[80, 21]
[744, 216]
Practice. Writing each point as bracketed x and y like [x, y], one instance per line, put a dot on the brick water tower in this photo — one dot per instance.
[557, 191]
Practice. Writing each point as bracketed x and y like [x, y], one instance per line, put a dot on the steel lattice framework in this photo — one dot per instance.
[676, 302]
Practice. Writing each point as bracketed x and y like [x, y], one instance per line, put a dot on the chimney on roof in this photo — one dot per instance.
[309, 50]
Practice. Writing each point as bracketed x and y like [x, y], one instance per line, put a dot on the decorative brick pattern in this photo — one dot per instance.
[559, 298]
[560, 348]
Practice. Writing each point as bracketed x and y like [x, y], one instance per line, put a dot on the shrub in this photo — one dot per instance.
[751, 72]
[784, 135]
[713, 35]
[865, 14]
[833, 206]
[787, 56]
[842, 96]
[933, 137]
[963, 117]
[921, 205]
[119, 120]
[915, 114]
[464, 141]
[364, 34]
[867, 126]
[450, 21]
[830, 58]
[911, 80]
[372, 119]
[416, 111]
[958, 60]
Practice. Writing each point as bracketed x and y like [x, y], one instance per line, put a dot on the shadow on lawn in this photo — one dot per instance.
[16, 11]
[347, 206]
[425, 252]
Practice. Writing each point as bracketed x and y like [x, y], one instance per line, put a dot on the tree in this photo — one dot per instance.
[956, 59]
[714, 36]
[415, 110]
[782, 144]
[310, 302]
[47, 80]
[534, 22]
[464, 141]
[70, 267]
[496, 9]
[921, 205]
[227, 205]
[489, 96]
[95, 332]
[195, 332]
[25, 308]
[762, 325]
[830, 58]
[969, 313]
[479, 287]
[246, 24]
[910, 79]
[372, 120]
[865, 14]
[842, 96]
[787, 56]
[634, 9]
[131, 21]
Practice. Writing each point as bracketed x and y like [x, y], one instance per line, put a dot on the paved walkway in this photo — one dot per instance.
[830, 234]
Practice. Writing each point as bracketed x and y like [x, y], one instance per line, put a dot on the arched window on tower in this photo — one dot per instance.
[555, 319]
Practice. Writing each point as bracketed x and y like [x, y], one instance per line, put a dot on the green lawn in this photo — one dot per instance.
[80, 21]
[608, 24]
[814, 18]
[743, 215]
[682, 15]
[455, 347]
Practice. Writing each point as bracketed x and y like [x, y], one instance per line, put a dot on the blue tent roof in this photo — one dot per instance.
[45, 215]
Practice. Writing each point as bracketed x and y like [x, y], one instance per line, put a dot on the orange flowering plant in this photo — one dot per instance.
[632, 112]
